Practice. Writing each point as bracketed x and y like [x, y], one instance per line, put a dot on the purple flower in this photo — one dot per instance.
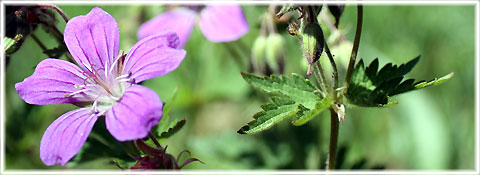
[105, 84]
[219, 23]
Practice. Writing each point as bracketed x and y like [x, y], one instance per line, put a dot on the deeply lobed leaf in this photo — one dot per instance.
[370, 88]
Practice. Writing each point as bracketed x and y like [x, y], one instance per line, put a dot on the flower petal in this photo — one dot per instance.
[180, 20]
[93, 39]
[66, 135]
[51, 81]
[223, 23]
[153, 56]
[135, 114]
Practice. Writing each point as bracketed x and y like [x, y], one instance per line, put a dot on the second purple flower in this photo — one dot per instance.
[219, 23]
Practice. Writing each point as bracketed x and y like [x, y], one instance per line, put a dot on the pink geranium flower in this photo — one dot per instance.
[219, 23]
[105, 81]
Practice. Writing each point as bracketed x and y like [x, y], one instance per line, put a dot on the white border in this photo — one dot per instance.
[247, 2]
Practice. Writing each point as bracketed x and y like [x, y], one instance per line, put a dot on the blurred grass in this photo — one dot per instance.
[429, 129]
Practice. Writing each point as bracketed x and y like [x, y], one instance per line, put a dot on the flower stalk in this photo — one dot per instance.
[356, 42]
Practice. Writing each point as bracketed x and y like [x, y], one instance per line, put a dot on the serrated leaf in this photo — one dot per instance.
[370, 88]
[165, 122]
[304, 114]
[279, 109]
[173, 128]
[294, 87]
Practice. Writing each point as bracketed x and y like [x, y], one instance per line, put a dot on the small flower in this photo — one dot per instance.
[219, 23]
[105, 82]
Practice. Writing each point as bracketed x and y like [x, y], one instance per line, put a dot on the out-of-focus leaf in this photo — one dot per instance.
[168, 126]
[370, 88]
[56, 52]
[173, 128]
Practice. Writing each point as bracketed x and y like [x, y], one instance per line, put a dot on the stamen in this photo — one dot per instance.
[122, 76]
[116, 60]
[76, 92]
[94, 106]
[106, 68]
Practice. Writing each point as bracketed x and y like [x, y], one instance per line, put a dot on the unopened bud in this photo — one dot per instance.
[274, 50]
[258, 53]
[336, 11]
[312, 42]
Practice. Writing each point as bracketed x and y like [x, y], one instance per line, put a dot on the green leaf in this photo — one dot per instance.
[168, 126]
[304, 114]
[272, 113]
[298, 100]
[433, 82]
[371, 88]
[173, 128]
[294, 87]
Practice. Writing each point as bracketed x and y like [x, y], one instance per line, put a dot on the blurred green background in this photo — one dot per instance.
[430, 129]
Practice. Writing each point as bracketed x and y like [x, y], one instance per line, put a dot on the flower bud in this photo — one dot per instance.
[258, 53]
[336, 11]
[275, 50]
[312, 42]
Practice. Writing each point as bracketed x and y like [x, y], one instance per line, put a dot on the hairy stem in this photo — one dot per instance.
[332, 150]
[320, 75]
[334, 67]
[353, 56]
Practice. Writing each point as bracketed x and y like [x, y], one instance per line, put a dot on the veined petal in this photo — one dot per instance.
[93, 39]
[153, 56]
[154, 63]
[180, 20]
[51, 81]
[66, 135]
[135, 114]
[222, 23]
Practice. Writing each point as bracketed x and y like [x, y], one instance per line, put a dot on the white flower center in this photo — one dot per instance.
[104, 86]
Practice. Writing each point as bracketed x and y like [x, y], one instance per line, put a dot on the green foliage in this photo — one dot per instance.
[371, 88]
[168, 126]
[299, 100]
[295, 87]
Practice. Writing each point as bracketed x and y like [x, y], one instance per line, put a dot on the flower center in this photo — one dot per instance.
[104, 86]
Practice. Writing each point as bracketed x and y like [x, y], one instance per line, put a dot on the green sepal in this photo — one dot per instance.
[369, 87]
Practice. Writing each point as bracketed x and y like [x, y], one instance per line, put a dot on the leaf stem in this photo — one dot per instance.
[332, 150]
[356, 42]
